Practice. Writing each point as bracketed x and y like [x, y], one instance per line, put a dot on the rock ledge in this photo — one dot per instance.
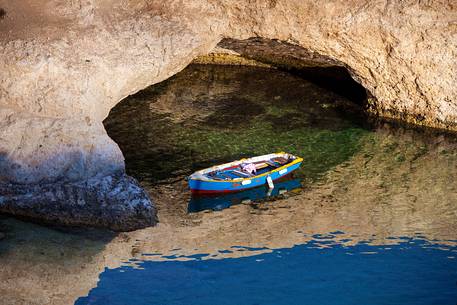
[116, 202]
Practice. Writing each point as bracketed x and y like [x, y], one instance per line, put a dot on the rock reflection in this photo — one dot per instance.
[207, 115]
[375, 198]
[378, 187]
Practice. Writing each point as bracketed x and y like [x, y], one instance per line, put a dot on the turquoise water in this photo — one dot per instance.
[412, 272]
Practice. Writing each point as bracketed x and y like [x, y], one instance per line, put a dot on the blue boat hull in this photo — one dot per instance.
[208, 187]
[222, 201]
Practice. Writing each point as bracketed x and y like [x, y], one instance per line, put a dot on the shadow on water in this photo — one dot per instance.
[38, 264]
[335, 79]
[17, 233]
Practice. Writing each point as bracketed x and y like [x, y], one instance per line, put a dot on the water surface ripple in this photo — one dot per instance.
[370, 218]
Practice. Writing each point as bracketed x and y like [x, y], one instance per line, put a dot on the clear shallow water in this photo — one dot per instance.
[208, 115]
[386, 194]
[411, 272]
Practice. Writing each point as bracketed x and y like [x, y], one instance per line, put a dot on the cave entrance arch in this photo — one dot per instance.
[163, 130]
[322, 70]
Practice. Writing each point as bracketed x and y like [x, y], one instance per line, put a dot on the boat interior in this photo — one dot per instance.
[238, 171]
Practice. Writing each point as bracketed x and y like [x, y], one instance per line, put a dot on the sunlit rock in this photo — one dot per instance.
[65, 64]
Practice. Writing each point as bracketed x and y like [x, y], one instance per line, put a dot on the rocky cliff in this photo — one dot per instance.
[65, 64]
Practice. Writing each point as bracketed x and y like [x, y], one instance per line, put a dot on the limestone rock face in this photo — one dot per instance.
[46, 149]
[403, 52]
[65, 64]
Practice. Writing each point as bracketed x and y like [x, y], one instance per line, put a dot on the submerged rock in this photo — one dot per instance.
[116, 202]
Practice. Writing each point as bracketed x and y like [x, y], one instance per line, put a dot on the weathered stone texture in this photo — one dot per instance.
[116, 202]
[65, 64]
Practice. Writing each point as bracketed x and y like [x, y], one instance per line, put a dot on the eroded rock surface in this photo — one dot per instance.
[116, 202]
[65, 64]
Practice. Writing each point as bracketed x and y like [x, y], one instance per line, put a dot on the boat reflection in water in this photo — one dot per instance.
[218, 202]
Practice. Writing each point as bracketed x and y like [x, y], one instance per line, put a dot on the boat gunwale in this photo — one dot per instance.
[295, 161]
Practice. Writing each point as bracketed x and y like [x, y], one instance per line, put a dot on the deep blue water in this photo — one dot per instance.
[220, 114]
[411, 272]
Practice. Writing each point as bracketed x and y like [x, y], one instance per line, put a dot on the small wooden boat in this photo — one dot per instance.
[244, 174]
